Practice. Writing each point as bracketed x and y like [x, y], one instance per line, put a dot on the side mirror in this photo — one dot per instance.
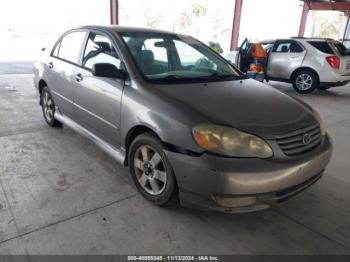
[108, 70]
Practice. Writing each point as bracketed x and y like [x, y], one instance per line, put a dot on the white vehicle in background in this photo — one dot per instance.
[307, 63]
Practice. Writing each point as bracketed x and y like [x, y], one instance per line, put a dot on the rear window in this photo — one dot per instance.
[341, 49]
[322, 46]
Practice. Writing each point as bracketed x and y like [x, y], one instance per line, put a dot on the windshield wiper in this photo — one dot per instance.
[174, 78]
[221, 76]
[211, 77]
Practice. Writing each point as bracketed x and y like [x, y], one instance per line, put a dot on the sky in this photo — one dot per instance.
[37, 23]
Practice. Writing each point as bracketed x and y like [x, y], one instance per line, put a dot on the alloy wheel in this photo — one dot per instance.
[48, 106]
[304, 82]
[150, 170]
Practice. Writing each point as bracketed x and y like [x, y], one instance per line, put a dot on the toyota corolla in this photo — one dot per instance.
[188, 124]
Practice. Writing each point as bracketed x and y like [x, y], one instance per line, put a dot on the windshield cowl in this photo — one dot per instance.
[211, 78]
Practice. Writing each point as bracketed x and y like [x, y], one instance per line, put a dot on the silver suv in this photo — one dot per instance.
[188, 124]
[307, 63]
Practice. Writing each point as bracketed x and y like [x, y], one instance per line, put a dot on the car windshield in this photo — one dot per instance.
[167, 58]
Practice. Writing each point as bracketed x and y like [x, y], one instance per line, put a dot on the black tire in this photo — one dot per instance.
[49, 118]
[305, 81]
[169, 194]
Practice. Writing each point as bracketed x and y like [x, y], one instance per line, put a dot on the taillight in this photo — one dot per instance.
[333, 61]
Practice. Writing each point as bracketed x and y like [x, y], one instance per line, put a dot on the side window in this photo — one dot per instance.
[296, 48]
[70, 46]
[322, 46]
[283, 47]
[99, 49]
[288, 47]
[267, 47]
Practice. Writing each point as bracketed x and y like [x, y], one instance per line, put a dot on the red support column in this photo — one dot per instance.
[236, 24]
[114, 12]
[303, 19]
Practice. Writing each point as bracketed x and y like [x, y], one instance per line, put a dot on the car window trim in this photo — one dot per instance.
[58, 42]
[103, 33]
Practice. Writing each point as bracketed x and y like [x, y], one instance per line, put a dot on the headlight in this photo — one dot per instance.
[230, 142]
[320, 121]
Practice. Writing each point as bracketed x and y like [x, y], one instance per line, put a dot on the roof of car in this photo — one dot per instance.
[312, 38]
[117, 28]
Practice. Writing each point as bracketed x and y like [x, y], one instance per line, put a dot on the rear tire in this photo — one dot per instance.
[48, 108]
[305, 81]
[151, 171]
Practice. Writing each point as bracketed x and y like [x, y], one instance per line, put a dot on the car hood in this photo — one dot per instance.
[244, 104]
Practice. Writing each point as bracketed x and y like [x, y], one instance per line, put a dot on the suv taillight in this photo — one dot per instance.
[333, 61]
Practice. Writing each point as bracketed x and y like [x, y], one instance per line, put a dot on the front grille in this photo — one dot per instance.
[294, 143]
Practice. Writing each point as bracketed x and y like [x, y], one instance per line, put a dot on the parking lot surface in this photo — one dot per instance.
[60, 194]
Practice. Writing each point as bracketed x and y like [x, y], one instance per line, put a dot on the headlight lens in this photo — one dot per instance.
[230, 141]
[320, 121]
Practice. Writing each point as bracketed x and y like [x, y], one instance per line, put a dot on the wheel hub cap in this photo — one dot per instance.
[48, 106]
[149, 169]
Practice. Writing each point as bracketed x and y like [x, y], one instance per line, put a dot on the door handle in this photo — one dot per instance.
[78, 77]
[50, 65]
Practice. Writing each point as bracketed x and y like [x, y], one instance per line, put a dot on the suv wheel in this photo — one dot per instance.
[305, 81]
[151, 171]
[48, 107]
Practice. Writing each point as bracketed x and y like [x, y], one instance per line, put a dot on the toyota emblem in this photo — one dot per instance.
[306, 139]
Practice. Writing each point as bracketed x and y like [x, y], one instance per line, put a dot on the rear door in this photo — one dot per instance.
[97, 100]
[286, 56]
[61, 67]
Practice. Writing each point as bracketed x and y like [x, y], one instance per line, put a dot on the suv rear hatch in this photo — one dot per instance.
[343, 54]
[337, 56]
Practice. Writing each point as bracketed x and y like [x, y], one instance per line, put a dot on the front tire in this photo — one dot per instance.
[151, 171]
[48, 108]
[305, 81]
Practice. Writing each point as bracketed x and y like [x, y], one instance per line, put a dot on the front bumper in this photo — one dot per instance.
[211, 182]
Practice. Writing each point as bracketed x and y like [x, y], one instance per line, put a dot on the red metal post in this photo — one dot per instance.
[114, 6]
[303, 19]
[236, 24]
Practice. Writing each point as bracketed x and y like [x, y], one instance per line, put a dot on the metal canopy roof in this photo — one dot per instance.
[329, 5]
